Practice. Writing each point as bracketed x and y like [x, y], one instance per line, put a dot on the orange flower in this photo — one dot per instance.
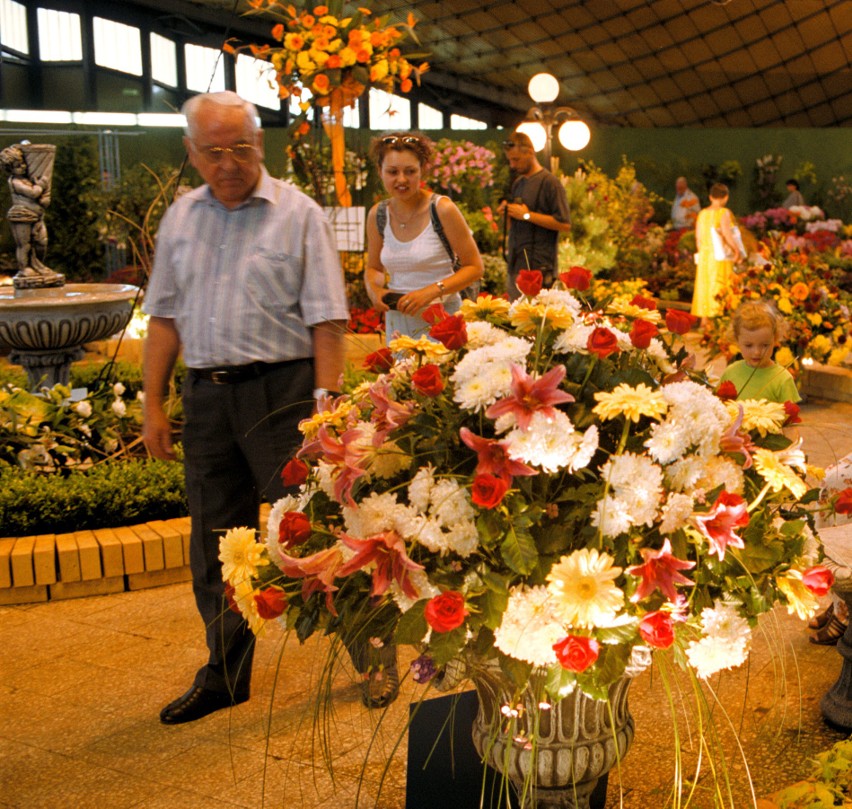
[394, 54]
[365, 11]
[405, 85]
[308, 20]
[800, 291]
[304, 128]
[321, 11]
[363, 56]
[321, 84]
[334, 61]
[355, 37]
[377, 39]
[278, 31]
[329, 31]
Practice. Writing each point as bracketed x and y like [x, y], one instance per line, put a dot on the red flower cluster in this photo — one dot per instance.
[446, 612]
[576, 652]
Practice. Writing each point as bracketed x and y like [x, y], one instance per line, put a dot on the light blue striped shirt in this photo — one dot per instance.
[246, 284]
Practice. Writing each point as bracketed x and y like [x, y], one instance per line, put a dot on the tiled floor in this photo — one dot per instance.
[82, 682]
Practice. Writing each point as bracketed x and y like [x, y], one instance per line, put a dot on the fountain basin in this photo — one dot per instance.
[45, 329]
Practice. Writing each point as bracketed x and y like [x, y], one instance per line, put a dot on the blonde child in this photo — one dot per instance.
[758, 328]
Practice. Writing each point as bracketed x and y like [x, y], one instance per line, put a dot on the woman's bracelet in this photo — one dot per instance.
[440, 285]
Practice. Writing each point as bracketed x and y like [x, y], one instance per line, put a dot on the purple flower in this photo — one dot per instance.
[423, 669]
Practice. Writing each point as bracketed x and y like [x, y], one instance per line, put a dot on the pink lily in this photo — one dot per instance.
[347, 455]
[387, 551]
[737, 442]
[660, 571]
[729, 511]
[530, 395]
[318, 572]
[388, 414]
[493, 457]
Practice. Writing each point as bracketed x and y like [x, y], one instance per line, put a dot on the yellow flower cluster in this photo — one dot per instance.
[325, 48]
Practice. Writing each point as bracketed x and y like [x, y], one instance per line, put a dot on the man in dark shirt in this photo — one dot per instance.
[538, 208]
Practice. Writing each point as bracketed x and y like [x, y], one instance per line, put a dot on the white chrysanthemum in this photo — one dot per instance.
[425, 589]
[643, 500]
[530, 626]
[611, 516]
[669, 440]
[625, 472]
[574, 340]
[83, 408]
[696, 405]
[450, 503]
[478, 392]
[480, 333]
[463, 538]
[388, 460]
[719, 471]
[323, 474]
[682, 475]
[551, 443]
[420, 488]
[561, 304]
[657, 352]
[674, 514]
[724, 643]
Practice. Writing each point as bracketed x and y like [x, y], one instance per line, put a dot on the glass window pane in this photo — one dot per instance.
[388, 111]
[460, 122]
[117, 46]
[13, 26]
[163, 60]
[200, 65]
[429, 117]
[256, 82]
[59, 36]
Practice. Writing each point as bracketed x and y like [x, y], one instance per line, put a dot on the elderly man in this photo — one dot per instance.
[247, 282]
[686, 205]
[539, 212]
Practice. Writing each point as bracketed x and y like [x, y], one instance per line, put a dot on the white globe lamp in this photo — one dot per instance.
[535, 132]
[574, 135]
[543, 88]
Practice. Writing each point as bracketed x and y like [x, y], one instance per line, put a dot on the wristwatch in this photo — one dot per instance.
[440, 285]
[319, 393]
[526, 216]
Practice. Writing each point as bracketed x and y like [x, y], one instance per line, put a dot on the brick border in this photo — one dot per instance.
[50, 567]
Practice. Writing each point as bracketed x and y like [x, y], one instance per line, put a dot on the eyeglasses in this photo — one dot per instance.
[393, 140]
[513, 144]
[241, 152]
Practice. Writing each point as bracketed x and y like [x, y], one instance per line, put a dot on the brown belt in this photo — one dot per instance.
[229, 375]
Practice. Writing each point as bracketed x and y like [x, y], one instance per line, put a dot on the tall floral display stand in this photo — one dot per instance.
[542, 487]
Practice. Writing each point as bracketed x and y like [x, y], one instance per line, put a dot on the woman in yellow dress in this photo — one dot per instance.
[711, 275]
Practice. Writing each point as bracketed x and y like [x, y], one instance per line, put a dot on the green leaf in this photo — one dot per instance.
[519, 550]
[444, 646]
[560, 682]
[617, 634]
[412, 627]
[516, 670]
[493, 605]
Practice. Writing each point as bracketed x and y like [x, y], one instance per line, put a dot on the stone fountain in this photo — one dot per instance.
[45, 322]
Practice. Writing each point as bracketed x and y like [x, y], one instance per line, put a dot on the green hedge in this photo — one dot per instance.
[108, 495]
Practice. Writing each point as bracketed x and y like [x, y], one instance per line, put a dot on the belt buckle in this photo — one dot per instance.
[219, 377]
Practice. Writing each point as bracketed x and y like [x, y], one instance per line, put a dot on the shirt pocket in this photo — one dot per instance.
[273, 279]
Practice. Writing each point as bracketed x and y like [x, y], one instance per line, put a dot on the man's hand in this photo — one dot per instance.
[157, 434]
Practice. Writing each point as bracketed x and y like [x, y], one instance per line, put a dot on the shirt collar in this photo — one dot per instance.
[264, 190]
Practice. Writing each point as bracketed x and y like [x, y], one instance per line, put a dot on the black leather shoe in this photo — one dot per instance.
[195, 703]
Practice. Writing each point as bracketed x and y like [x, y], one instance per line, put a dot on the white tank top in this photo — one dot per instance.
[415, 264]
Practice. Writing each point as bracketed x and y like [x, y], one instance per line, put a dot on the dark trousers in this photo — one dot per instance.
[236, 439]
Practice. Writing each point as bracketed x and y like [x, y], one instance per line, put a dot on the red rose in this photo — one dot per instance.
[643, 303]
[270, 603]
[446, 611]
[792, 411]
[576, 278]
[818, 580]
[679, 322]
[427, 380]
[657, 629]
[451, 331]
[843, 504]
[727, 390]
[488, 490]
[529, 282]
[576, 652]
[434, 313]
[379, 361]
[642, 332]
[294, 529]
[294, 473]
[602, 342]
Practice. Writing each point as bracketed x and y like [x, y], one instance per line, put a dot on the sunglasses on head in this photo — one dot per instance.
[393, 140]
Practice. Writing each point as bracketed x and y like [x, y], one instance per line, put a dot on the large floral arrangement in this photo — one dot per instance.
[807, 292]
[540, 484]
[459, 164]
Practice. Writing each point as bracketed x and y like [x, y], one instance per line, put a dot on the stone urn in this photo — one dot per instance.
[556, 765]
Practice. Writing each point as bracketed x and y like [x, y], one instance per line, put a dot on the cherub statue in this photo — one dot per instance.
[29, 185]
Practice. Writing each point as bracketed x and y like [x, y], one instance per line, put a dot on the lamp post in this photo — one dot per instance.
[573, 133]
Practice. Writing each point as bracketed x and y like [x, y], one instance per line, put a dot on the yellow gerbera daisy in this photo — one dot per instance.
[527, 317]
[799, 599]
[485, 307]
[630, 402]
[430, 349]
[336, 419]
[243, 596]
[758, 414]
[240, 555]
[778, 475]
[583, 590]
[622, 306]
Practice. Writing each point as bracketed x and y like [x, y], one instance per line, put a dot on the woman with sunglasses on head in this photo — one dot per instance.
[420, 250]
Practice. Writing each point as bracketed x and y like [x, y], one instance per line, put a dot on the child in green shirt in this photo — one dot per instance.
[758, 328]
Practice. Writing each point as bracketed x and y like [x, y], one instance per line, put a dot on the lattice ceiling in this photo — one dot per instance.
[637, 63]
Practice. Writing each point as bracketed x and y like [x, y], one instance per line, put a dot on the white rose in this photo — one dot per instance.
[118, 389]
[119, 408]
[83, 408]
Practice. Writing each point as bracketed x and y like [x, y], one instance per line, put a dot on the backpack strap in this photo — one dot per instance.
[439, 229]
[382, 216]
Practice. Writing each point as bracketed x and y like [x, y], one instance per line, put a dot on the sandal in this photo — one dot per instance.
[831, 633]
[822, 618]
